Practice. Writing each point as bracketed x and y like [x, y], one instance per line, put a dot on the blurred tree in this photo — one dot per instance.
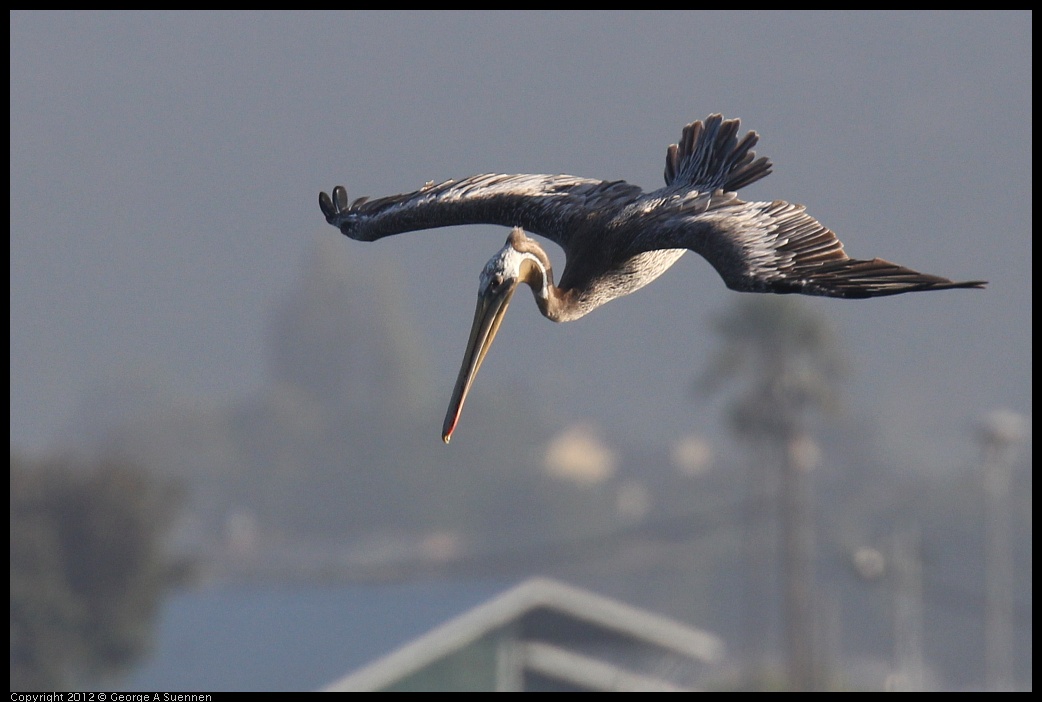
[785, 362]
[333, 446]
[344, 336]
[341, 450]
[88, 569]
[346, 442]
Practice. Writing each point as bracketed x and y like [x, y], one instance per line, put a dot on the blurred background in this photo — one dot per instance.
[215, 396]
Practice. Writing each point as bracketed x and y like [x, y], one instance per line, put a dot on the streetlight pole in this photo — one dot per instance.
[998, 433]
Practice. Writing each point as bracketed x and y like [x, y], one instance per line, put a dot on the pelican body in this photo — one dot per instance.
[618, 238]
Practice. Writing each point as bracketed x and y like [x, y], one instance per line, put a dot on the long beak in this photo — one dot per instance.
[487, 318]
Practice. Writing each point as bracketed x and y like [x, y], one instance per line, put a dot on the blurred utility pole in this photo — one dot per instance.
[907, 584]
[784, 360]
[801, 455]
[998, 433]
[759, 604]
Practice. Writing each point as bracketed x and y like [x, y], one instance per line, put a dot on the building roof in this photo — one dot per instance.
[544, 633]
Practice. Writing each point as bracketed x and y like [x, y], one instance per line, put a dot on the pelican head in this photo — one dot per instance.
[519, 261]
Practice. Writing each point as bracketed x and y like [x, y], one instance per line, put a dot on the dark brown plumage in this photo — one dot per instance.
[618, 238]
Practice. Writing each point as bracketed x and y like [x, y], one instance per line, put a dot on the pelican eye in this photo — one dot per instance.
[493, 283]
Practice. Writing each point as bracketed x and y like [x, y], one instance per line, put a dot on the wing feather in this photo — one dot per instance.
[777, 247]
[548, 205]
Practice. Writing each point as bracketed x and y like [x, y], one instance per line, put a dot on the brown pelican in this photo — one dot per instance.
[618, 238]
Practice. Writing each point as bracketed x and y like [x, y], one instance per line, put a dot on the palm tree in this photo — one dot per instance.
[782, 361]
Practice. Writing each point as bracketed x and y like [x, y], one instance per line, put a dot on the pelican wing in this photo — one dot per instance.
[548, 205]
[777, 247]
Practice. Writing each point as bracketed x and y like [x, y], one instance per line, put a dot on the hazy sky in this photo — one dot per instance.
[165, 169]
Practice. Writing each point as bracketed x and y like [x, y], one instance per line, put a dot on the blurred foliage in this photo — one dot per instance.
[89, 568]
[781, 358]
[342, 446]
